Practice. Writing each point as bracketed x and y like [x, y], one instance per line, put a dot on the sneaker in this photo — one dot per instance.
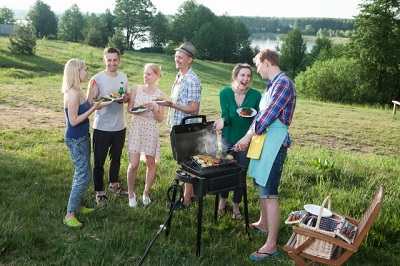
[85, 210]
[101, 200]
[72, 223]
[146, 200]
[118, 190]
[133, 201]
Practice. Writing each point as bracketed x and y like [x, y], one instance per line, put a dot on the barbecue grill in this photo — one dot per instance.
[190, 140]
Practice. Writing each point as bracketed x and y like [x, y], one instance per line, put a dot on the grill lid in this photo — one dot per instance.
[192, 139]
[188, 140]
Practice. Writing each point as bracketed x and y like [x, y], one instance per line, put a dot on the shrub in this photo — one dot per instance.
[333, 80]
[23, 41]
[117, 41]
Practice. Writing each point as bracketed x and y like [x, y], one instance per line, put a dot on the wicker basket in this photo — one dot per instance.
[327, 226]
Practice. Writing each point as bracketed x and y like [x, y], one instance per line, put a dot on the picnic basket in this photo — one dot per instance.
[324, 225]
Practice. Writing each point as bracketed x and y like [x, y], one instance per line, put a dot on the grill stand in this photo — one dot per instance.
[210, 186]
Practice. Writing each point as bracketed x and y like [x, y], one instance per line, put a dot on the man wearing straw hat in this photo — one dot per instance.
[185, 96]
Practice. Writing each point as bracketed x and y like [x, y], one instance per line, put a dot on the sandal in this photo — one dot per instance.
[221, 212]
[72, 223]
[237, 215]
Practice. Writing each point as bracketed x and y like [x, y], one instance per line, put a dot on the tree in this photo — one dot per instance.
[376, 45]
[109, 24]
[216, 38]
[23, 41]
[321, 44]
[135, 17]
[293, 51]
[6, 16]
[43, 19]
[93, 31]
[188, 20]
[71, 25]
[159, 30]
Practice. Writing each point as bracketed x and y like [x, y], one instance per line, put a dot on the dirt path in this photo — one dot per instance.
[12, 117]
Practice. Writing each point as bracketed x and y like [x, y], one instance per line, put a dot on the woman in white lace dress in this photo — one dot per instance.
[144, 139]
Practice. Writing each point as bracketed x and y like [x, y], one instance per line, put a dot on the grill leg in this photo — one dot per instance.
[246, 210]
[199, 222]
[168, 223]
[216, 206]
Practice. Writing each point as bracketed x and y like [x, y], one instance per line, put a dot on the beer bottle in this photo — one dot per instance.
[121, 90]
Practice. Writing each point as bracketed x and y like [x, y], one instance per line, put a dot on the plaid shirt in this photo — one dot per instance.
[190, 91]
[283, 102]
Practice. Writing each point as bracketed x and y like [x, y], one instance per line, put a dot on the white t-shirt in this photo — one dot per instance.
[112, 116]
[174, 99]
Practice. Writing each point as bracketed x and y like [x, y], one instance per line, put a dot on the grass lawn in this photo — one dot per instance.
[339, 150]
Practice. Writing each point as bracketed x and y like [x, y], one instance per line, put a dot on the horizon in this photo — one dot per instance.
[342, 9]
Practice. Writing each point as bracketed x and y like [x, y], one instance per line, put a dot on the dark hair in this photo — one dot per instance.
[271, 56]
[112, 50]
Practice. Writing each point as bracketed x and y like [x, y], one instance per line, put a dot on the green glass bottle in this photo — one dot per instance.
[121, 89]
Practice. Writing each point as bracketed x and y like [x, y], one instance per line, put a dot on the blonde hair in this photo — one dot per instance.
[155, 68]
[236, 70]
[71, 77]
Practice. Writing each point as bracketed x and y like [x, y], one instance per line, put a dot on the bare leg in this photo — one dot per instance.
[222, 203]
[188, 193]
[262, 223]
[132, 172]
[150, 174]
[270, 206]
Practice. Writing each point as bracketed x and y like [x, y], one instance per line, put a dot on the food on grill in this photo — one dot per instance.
[207, 159]
[105, 98]
[200, 161]
[246, 111]
[229, 157]
[114, 94]
[137, 108]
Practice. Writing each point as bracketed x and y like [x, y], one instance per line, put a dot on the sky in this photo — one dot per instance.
[261, 8]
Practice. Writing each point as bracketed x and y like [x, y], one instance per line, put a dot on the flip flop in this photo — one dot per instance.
[258, 230]
[268, 256]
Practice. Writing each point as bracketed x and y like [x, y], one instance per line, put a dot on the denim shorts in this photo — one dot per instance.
[270, 191]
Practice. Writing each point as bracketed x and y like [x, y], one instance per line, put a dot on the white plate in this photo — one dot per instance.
[252, 114]
[106, 103]
[314, 209]
[162, 101]
[139, 110]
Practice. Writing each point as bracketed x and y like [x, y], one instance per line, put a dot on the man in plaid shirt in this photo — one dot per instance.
[185, 96]
[277, 106]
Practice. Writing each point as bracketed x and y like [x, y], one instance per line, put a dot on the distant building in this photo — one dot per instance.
[6, 29]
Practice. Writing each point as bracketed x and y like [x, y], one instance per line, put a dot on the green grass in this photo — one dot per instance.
[36, 173]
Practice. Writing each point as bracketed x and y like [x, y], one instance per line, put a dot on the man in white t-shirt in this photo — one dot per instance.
[109, 125]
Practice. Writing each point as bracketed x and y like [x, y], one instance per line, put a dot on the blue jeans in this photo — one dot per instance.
[243, 161]
[80, 154]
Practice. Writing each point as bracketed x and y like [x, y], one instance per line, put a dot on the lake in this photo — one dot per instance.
[262, 41]
[271, 41]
